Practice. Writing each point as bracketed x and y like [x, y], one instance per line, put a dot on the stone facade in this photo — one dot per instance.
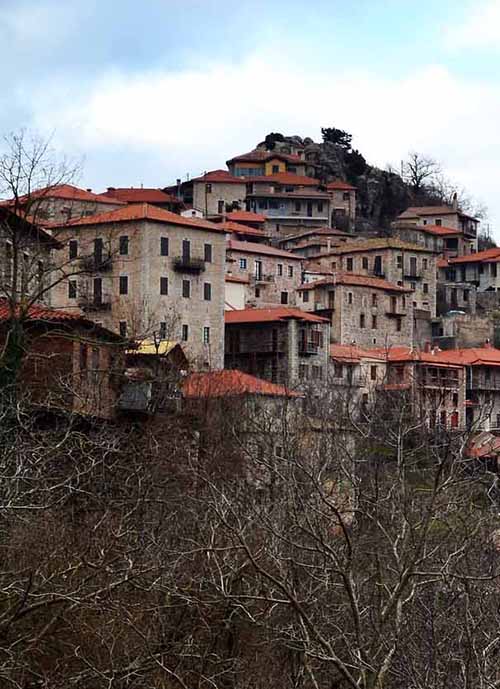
[444, 216]
[145, 284]
[481, 270]
[288, 212]
[273, 275]
[216, 198]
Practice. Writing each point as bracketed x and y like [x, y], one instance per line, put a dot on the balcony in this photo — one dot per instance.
[396, 313]
[186, 264]
[411, 276]
[93, 264]
[308, 348]
[262, 279]
[482, 383]
[93, 304]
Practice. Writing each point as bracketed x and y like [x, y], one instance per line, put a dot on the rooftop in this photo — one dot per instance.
[246, 216]
[255, 248]
[478, 257]
[321, 231]
[238, 228]
[418, 211]
[70, 193]
[345, 278]
[438, 230]
[377, 244]
[353, 353]
[219, 176]
[273, 315]
[339, 185]
[138, 195]
[230, 383]
[260, 155]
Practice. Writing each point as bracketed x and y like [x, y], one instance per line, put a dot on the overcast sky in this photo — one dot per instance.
[149, 91]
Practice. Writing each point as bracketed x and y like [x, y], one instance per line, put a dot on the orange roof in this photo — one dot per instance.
[69, 192]
[139, 195]
[285, 178]
[144, 211]
[246, 216]
[279, 313]
[339, 185]
[236, 278]
[376, 244]
[260, 155]
[353, 354]
[220, 176]
[473, 356]
[478, 257]
[438, 230]
[343, 278]
[228, 383]
[417, 211]
[256, 248]
[436, 357]
[322, 231]
[238, 228]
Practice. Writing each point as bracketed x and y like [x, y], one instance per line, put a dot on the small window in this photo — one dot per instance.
[316, 372]
[466, 295]
[276, 169]
[279, 269]
[284, 297]
[320, 206]
[373, 373]
[243, 264]
[164, 286]
[399, 262]
[124, 245]
[207, 291]
[290, 271]
[364, 261]
[73, 249]
[206, 335]
[298, 206]
[123, 284]
[305, 296]
[257, 292]
[185, 332]
[123, 328]
[349, 264]
[164, 248]
[72, 289]
[186, 250]
[374, 322]
[425, 288]
[438, 222]
[345, 196]
[425, 263]
[349, 297]
[374, 299]
[398, 325]
[208, 253]
[220, 206]
[186, 289]
[362, 320]
[163, 330]
[208, 188]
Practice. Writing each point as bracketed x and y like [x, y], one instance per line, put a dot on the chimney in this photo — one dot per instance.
[89, 190]
[454, 203]
[111, 189]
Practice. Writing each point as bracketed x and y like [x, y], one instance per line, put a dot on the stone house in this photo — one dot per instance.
[283, 345]
[145, 271]
[261, 162]
[407, 265]
[243, 233]
[343, 204]
[213, 194]
[155, 197]
[480, 270]
[446, 241]
[71, 365]
[314, 241]
[354, 375]
[363, 310]
[287, 212]
[63, 202]
[273, 274]
[444, 216]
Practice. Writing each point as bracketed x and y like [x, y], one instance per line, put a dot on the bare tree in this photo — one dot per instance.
[419, 171]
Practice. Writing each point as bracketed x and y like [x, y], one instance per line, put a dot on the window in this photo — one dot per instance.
[373, 373]
[164, 286]
[374, 299]
[374, 322]
[186, 289]
[398, 325]
[257, 292]
[349, 264]
[208, 188]
[163, 330]
[208, 253]
[72, 289]
[455, 399]
[123, 328]
[298, 206]
[220, 206]
[186, 250]
[338, 371]
[364, 262]
[362, 320]
[164, 246]
[279, 269]
[83, 357]
[377, 265]
[425, 263]
[454, 419]
[466, 295]
[349, 297]
[97, 290]
[98, 250]
[425, 288]
[73, 249]
[258, 269]
[276, 169]
[284, 297]
[399, 262]
[124, 245]
[185, 332]
[290, 271]
[498, 421]
[243, 263]
[303, 371]
[207, 291]
[316, 373]
[345, 196]
[206, 335]
[305, 296]
[438, 222]
[443, 418]
[123, 284]
[320, 206]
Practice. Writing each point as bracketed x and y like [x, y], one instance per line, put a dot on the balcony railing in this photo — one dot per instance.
[412, 275]
[93, 264]
[184, 264]
[482, 383]
[264, 278]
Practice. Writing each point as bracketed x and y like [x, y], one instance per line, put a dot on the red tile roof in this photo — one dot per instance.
[260, 155]
[339, 185]
[238, 228]
[418, 211]
[139, 195]
[220, 176]
[478, 257]
[322, 231]
[473, 356]
[236, 278]
[229, 383]
[279, 313]
[376, 244]
[69, 192]
[436, 357]
[246, 216]
[438, 230]
[353, 354]
[256, 248]
[144, 211]
[344, 278]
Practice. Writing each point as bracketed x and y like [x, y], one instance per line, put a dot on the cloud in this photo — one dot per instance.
[156, 126]
[479, 28]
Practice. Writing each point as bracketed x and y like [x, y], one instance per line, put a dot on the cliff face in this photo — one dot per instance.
[381, 195]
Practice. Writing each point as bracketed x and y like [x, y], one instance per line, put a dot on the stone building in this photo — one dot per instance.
[480, 270]
[313, 242]
[273, 275]
[155, 197]
[283, 345]
[355, 374]
[445, 216]
[363, 310]
[446, 241]
[262, 162]
[343, 204]
[407, 265]
[145, 270]
[213, 194]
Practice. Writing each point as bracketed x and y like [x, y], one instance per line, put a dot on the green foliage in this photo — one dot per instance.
[271, 139]
[355, 164]
[336, 136]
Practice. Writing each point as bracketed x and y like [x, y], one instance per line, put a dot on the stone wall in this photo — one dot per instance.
[208, 201]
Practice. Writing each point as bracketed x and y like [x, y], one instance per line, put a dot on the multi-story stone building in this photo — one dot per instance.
[313, 242]
[407, 265]
[273, 275]
[213, 194]
[283, 345]
[354, 375]
[363, 310]
[343, 204]
[446, 241]
[261, 162]
[444, 216]
[144, 270]
[479, 270]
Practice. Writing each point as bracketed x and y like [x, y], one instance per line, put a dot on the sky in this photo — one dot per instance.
[146, 92]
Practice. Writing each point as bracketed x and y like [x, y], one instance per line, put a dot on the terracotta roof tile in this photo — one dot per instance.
[219, 176]
[139, 195]
[273, 315]
[323, 231]
[246, 216]
[418, 211]
[144, 211]
[238, 228]
[478, 257]
[229, 383]
[438, 230]
[260, 155]
[339, 185]
[377, 244]
[236, 278]
[353, 354]
[344, 278]
[69, 192]
[256, 248]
